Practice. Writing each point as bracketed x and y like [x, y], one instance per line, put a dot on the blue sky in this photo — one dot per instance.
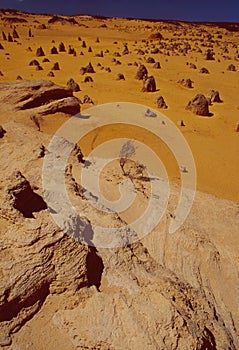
[189, 10]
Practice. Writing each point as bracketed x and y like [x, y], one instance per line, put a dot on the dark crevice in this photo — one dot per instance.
[11, 309]
[47, 97]
[209, 342]
[95, 267]
[28, 204]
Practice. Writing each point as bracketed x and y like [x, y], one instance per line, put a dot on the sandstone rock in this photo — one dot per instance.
[34, 63]
[164, 292]
[40, 52]
[157, 65]
[88, 79]
[4, 36]
[72, 85]
[41, 97]
[231, 68]
[55, 66]
[149, 84]
[141, 72]
[198, 105]
[87, 99]
[204, 70]
[209, 55]
[54, 50]
[150, 60]
[88, 69]
[39, 67]
[120, 76]
[214, 96]
[50, 74]
[62, 47]
[9, 38]
[161, 103]
[186, 82]
[15, 34]
[192, 66]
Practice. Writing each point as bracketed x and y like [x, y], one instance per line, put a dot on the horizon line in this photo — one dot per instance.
[121, 17]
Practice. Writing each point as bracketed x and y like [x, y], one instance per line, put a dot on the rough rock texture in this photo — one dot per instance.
[142, 72]
[161, 103]
[187, 83]
[149, 85]
[36, 257]
[88, 69]
[40, 52]
[72, 85]
[165, 292]
[40, 97]
[214, 96]
[199, 105]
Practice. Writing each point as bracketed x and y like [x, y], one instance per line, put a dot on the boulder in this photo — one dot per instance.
[55, 66]
[34, 63]
[62, 47]
[54, 50]
[149, 85]
[199, 105]
[142, 72]
[40, 52]
[214, 96]
[40, 97]
[72, 85]
[157, 65]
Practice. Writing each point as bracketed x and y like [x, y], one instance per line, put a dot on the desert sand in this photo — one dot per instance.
[166, 291]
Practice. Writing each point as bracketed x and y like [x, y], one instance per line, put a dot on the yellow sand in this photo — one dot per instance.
[213, 140]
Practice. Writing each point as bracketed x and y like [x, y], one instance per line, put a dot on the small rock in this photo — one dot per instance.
[231, 68]
[120, 76]
[87, 99]
[54, 50]
[214, 96]
[72, 85]
[88, 79]
[150, 60]
[161, 103]
[34, 63]
[40, 52]
[55, 66]
[50, 74]
[187, 83]
[204, 70]
[157, 65]
[62, 47]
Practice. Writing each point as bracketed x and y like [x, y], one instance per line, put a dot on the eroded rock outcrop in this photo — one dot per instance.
[38, 96]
